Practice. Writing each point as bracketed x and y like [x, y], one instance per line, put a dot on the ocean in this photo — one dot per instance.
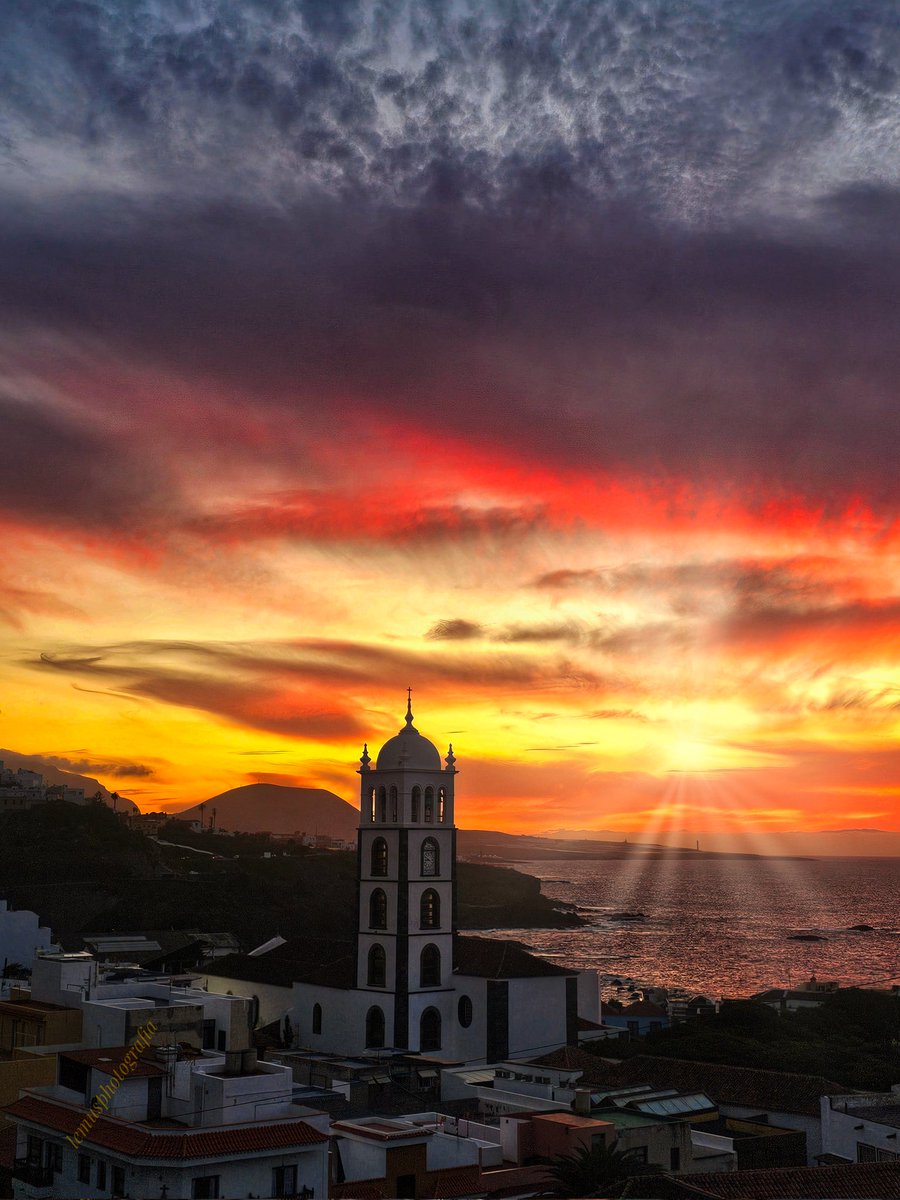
[724, 926]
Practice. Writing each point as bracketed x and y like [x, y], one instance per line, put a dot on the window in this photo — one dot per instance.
[634, 1029]
[430, 967]
[395, 815]
[101, 1175]
[317, 1018]
[221, 1041]
[431, 857]
[84, 1169]
[379, 857]
[675, 1159]
[378, 910]
[442, 804]
[209, 1033]
[372, 805]
[464, 1011]
[430, 1030]
[374, 1028]
[382, 805]
[206, 1187]
[54, 1157]
[866, 1153]
[377, 966]
[429, 804]
[416, 803]
[430, 910]
[118, 1183]
[284, 1181]
[638, 1155]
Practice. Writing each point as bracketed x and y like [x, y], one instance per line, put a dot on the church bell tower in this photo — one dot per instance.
[407, 890]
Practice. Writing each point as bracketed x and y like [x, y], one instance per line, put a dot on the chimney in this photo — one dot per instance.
[582, 1102]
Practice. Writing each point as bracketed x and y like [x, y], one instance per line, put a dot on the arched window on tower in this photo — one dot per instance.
[416, 804]
[430, 967]
[430, 1030]
[382, 805]
[379, 857]
[317, 1018]
[394, 809]
[429, 804]
[430, 910]
[377, 975]
[431, 857]
[372, 805]
[442, 804]
[374, 1028]
[378, 910]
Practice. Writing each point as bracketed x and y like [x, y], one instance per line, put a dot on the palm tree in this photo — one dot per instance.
[596, 1170]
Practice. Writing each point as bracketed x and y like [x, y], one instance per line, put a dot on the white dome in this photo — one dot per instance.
[409, 749]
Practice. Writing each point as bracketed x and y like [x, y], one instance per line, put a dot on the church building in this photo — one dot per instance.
[411, 981]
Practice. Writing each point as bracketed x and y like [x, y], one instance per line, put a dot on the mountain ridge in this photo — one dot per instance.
[278, 808]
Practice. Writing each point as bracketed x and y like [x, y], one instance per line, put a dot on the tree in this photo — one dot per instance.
[596, 1170]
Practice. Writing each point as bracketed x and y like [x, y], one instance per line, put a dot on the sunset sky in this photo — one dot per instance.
[543, 357]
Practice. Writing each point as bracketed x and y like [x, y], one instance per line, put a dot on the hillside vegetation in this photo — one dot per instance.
[852, 1038]
[84, 871]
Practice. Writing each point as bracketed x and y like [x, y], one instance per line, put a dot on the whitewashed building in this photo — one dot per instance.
[409, 981]
[21, 936]
[185, 1126]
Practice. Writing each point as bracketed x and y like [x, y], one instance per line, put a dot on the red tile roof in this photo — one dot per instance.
[137, 1141]
[643, 1008]
[770, 1091]
[454, 1181]
[8, 1147]
[513, 1181]
[582, 1024]
[108, 1058]
[490, 958]
[850, 1181]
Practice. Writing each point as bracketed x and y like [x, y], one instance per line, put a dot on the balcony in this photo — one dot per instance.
[36, 1181]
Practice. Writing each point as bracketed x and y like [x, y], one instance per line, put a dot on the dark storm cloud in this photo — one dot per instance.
[55, 467]
[796, 581]
[118, 768]
[454, 630]
[638, 237]
[300, 688]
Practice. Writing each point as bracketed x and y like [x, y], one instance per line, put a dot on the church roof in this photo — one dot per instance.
[330, 962]
[490, 958]
[409, 749]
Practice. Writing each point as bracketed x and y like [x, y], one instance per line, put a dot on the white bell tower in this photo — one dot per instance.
[407, 890]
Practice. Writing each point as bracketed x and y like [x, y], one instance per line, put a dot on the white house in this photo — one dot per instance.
[114, 1010]
[21, 936]
[864, 1127]
[185, 1125]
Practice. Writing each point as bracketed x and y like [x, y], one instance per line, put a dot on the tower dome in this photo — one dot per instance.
[409, 748]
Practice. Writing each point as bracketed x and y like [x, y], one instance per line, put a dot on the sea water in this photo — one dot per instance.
[727, 926]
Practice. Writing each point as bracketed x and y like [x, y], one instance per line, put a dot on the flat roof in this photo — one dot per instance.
[575, 1120]
[108, 1058]
[624, 1118]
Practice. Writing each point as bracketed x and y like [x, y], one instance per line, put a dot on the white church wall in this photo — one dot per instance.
[469, 1043]
[589, 995]
[21, 935]
[343, 1017]
[537, 1015]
